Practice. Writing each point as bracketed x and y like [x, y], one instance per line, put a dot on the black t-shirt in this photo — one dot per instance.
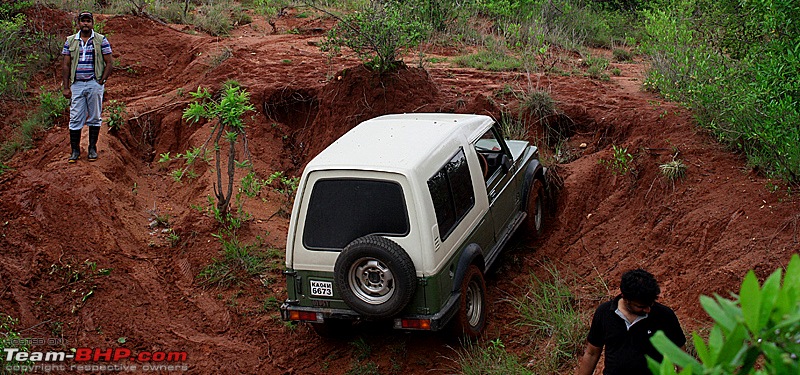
[626, 349]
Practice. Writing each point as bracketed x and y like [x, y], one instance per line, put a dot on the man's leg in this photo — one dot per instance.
[94, 103]
[77, 116]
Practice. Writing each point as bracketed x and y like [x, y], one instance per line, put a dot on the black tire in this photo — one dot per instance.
[375, 277]
[471, 316]
[535, 209]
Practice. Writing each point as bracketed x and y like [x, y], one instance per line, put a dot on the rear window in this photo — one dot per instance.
[341, 210]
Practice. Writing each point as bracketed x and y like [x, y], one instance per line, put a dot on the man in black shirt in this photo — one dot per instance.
[624, 326]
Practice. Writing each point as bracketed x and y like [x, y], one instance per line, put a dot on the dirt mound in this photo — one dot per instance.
[87, 255]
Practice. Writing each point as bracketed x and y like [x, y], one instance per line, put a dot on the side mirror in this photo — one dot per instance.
[505, 162]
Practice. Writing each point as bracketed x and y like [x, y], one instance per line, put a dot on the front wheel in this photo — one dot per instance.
[535, 209]
[471, 316]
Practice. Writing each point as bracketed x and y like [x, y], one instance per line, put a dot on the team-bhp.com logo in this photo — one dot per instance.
[94, 359]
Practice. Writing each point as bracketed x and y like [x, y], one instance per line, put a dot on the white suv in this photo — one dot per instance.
[400, 218]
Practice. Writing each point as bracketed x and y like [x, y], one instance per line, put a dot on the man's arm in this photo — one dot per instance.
[109, 61]
[589, 360]
[65, 67]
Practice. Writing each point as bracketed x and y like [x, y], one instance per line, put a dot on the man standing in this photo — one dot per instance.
[86, 66]
[624, 326]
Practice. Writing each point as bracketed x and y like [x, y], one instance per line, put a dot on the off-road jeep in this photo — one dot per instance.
[401, 217]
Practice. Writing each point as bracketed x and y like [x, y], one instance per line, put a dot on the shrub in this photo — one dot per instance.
[228, 110]
[622, 55]
[377, 33]
[759, 325]
[116, 115]
[214, 19]
[729, 62]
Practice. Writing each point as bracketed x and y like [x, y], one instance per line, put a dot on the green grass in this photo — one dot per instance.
[488, 358]
[549, 309]
[673, 170]
[489, 60]
[238, 262]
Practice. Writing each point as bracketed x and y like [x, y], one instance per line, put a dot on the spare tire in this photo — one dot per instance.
[375, 277]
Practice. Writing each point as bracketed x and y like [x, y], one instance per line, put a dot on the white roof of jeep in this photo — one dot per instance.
[400, 142]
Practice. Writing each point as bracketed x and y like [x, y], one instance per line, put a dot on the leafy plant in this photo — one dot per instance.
[620, 161]
[251, 185]
[116, 115]
[52, 104]
[757, 326]
[227, 111]
[10, 338]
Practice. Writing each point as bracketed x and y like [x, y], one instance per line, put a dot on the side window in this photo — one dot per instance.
[491, 155]
[452, 193]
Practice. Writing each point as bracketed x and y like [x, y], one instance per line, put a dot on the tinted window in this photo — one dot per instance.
[452, 194]
[341, 210]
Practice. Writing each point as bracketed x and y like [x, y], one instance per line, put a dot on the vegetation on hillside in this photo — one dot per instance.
[733, 63]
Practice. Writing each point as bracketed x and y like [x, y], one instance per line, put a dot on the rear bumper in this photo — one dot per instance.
[436, 322]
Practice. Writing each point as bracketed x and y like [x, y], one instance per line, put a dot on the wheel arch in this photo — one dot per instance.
[534, 171]
[472, 254]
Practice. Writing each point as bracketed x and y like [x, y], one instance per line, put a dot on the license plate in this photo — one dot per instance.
[321, 288]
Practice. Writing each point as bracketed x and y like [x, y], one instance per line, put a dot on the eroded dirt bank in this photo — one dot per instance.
[81, 261]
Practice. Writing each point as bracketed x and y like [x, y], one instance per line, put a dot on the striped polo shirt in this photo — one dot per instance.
[85, 70]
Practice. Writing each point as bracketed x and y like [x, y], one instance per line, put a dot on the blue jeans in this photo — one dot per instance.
[86, 105]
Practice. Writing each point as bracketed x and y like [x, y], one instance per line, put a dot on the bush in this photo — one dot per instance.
[377, 33]
[214, 19]
[759, 325]
[116, 115]
[734, 64]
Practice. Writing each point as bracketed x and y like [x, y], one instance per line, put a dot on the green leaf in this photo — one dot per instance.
[672, 352]
[750, 298]
[716, 312]
[734, 347]
[769, 295]
[702, 350]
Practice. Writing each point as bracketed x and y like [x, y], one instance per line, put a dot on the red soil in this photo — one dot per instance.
[64, 223]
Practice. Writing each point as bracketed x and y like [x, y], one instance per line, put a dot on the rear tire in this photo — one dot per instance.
[470, 319]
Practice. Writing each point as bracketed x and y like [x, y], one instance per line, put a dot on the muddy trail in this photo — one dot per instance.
[87, 254]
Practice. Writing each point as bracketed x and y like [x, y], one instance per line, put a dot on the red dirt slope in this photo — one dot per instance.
[81, 259]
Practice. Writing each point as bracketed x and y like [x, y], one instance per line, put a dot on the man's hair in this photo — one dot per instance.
[639, 285]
